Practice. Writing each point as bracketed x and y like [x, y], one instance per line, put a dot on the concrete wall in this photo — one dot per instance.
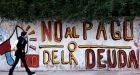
[7, 27]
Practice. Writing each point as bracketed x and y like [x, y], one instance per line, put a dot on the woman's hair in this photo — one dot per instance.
[23, 33]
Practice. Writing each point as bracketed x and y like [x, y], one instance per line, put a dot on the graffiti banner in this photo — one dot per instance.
[72, 45]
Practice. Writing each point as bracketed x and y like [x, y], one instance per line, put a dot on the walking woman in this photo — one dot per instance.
[20, 53]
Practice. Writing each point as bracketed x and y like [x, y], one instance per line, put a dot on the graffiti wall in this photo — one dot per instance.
[72, 45]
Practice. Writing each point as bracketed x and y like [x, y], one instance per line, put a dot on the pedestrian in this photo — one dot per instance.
[20, 53]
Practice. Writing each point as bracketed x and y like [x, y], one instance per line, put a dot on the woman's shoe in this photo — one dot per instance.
[10, 72]
[31, 73]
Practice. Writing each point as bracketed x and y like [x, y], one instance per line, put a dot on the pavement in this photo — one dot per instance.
[137, 72]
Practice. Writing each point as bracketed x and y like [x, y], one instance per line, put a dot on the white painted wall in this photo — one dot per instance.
[79, 53]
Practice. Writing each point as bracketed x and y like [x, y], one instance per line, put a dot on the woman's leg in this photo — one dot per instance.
[14, 65]
[25, 64]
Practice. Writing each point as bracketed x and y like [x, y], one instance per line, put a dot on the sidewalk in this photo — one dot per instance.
[137, 72]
